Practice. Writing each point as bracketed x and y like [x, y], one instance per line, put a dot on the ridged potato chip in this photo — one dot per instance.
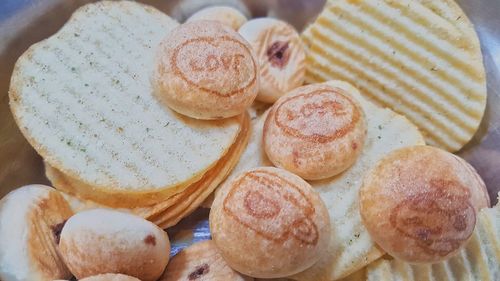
[420, 58]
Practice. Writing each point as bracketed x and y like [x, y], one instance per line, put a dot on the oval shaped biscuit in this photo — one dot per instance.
[201, 261]
[226, 15]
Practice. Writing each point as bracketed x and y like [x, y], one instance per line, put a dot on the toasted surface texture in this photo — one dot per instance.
[212, 181]
[479, 260]
[201, 261]
[206, 70]
[83, 99]
[146, 205]
[31, 218]
[281, 56]
[102, 241]
[269, 223]
[315, 131]
[419, 57]
[226, 15]
[351, 247]
[420, 203]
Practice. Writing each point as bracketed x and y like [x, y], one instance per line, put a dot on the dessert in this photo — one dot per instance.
[280, 53]
[206, 70]
[104, 241]
[83, 98]
[420, 58]
[110, 277]
[269, 223]
[351, 247]
[420, 203]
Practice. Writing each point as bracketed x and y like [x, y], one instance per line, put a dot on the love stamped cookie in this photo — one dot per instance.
[269, 223]
[206, 70]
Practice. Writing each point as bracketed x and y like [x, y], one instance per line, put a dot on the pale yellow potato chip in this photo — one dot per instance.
[171, 210]
[420, 58]
[84, 100]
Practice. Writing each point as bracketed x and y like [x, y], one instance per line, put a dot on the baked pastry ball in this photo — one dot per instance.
[200, 261]
[206, 70]
[107, 241]
[281, 56]
[31, 218]
[110, 277]
[223, 14]
[269, 223]
[315, 131]
[420, 203]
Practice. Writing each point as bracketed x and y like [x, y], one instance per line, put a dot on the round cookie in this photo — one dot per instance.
[101, 241]
[315, 131]
[269, 223]
[110, 277]
[420, 203]
[200, 261]
[281, 56]
[223, 14]
[206, 70]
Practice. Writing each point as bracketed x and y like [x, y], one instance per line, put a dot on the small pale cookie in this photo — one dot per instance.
[420, 203]
[100, 241]
[269, 223]
[206, 70]
[281, 56]
[420, 58]
[110, 277]
[315, 131]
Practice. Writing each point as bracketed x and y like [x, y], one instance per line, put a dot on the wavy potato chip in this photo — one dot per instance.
[420, 58]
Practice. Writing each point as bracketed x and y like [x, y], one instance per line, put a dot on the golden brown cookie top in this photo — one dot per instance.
[201, 261]
[315, 131]
[269, 223]
[420, 203]
[317, 114]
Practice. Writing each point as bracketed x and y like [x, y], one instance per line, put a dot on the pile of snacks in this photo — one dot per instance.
[140, 120]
